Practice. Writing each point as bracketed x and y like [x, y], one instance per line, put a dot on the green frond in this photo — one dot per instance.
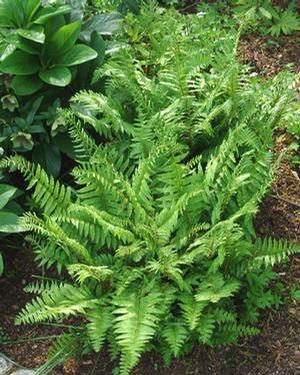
[269, 251]
[56, 303]
[175, 334]
[215, 287]
[100, 320]
[81, 272]
[191, 310]
[205, 328]
[49, 194]
[48, 227]
[68, 345]
[137, 316]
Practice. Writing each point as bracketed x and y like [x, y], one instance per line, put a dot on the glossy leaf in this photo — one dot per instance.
[58, 76]
[104, 24]
[12, 14]
[29, 46]
[35, 33]
[77, 55]
[31, 7]
[63, 39]
[6, 193]
[10, 223]
[26, 85]
[47, 13]
[20, 63]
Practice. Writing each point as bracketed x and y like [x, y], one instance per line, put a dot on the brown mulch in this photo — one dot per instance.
[268, 57]
[279, 214]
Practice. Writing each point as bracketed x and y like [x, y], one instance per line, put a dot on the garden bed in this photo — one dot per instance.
[275, 351]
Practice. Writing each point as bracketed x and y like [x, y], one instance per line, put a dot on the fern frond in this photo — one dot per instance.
[81, 272]
[100, 320]
[136, 319]
[269, 251]
[56, 303]
[49, 194]
[175, 334]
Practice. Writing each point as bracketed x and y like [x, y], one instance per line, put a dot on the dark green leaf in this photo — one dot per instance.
[26, 85]
[29, 46]
[31, 7]
[63, 39]
[58, 76]
[48, 155]
[78, 54]
[65, 145]
[10, 223]
[35, 33]
[20, 63]
[12, 14]
[6, 193]
[104, 24]
[47, 13]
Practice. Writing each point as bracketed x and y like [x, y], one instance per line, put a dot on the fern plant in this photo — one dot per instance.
[157, 231]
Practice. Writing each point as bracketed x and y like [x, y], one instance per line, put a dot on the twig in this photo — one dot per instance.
[285, 200]
[189, 6]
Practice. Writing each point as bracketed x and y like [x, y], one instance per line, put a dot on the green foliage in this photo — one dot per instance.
[43, 47]
[9, 215]
[269, 19]
[9, 220]
[40, 53]
[157, 231]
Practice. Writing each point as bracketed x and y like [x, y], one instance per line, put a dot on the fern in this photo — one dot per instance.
[157, 234]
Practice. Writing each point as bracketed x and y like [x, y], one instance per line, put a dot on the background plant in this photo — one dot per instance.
[270, 19]
[30, 122]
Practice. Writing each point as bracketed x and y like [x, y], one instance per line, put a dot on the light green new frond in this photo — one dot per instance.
[49, 228]
[83, 144]
[215, 288]
[206, 328]
[81, 272]
[135, 324]
[89, 105]
[100, 320]
[175, 334]
[191, 310]
[39, 287]
[107, 222]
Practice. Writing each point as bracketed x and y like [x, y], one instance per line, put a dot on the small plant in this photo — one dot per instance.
[44, 46]
[37, 38]
[269, 19]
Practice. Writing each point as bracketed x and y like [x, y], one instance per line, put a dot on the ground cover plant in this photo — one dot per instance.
[157, 230]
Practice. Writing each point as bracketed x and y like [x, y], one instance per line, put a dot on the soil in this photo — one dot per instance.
[275, 351]
[268, 56]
